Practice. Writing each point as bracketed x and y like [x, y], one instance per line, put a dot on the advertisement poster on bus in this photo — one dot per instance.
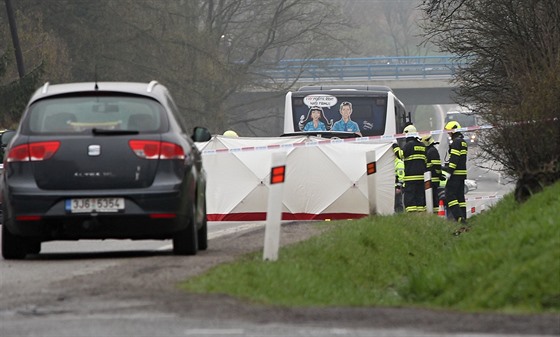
[364, 116]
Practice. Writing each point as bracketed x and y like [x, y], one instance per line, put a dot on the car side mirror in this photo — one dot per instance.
[6, 137]
[201, 134]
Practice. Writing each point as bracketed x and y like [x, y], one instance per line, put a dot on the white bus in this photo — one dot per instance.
[374, 111]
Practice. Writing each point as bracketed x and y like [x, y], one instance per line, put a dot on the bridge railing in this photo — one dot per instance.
[365, 68]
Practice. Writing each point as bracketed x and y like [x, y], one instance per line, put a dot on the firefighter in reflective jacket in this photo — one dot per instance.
[399, 184]
[414, 153]
[456, 173]
[433, 164]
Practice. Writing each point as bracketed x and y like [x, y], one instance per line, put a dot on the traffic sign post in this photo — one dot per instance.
[428, 192]
[274, 213]
[371, 169]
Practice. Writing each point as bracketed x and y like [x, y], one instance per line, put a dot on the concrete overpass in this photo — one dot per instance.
[423, 91]
[416, 80]
[411, 91]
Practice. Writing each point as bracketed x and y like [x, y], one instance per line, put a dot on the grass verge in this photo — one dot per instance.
[509, 261]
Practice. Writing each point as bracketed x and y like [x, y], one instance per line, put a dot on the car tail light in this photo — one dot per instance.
[33, 151]
[163, 215]
[151, 149]
[28, 217]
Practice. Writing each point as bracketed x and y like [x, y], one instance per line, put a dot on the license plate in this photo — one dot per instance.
[93, 205]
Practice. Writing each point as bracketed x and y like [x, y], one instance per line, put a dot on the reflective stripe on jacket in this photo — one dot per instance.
[414, 153]
[399, 172]
[457, 157]
[433, 163]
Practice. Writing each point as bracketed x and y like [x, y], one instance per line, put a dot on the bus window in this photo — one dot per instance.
[369, 111]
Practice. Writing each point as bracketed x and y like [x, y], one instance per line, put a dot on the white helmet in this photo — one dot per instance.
[410, 129]
[427, 140]
[231, 134]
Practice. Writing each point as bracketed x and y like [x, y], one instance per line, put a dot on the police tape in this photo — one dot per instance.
[365, 139]
[484, 197]
[315, 142]
[477, 207]
[286, 146]
[438, 132]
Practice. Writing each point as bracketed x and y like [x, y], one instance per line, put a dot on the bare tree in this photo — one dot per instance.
[387, 28]
[241, 39]
[44, 55]
[204, 50]
[512, 48]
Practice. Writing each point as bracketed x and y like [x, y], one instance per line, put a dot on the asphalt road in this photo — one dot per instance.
[123, 288]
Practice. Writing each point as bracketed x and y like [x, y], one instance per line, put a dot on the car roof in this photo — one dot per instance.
[152, 89]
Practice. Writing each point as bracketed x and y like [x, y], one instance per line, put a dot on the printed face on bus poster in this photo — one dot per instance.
[324, 112]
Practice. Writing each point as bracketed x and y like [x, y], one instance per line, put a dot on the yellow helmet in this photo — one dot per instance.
[410, 129]
[230, 133]
[450, 126]
[427, 140]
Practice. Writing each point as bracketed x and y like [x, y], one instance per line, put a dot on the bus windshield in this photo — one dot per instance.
[365, 115]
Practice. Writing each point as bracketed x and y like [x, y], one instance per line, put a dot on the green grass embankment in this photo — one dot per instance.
[509, 261]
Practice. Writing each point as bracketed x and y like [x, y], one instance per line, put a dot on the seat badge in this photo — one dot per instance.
[94, 150]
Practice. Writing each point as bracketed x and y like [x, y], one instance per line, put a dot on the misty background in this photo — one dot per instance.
[211, 54]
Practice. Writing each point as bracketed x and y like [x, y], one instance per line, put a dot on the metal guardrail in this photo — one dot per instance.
[365, 68]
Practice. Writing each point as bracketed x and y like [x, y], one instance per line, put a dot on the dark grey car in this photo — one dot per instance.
[103, 160]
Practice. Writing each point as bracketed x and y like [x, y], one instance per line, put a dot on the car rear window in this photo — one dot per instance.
[76, 114]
